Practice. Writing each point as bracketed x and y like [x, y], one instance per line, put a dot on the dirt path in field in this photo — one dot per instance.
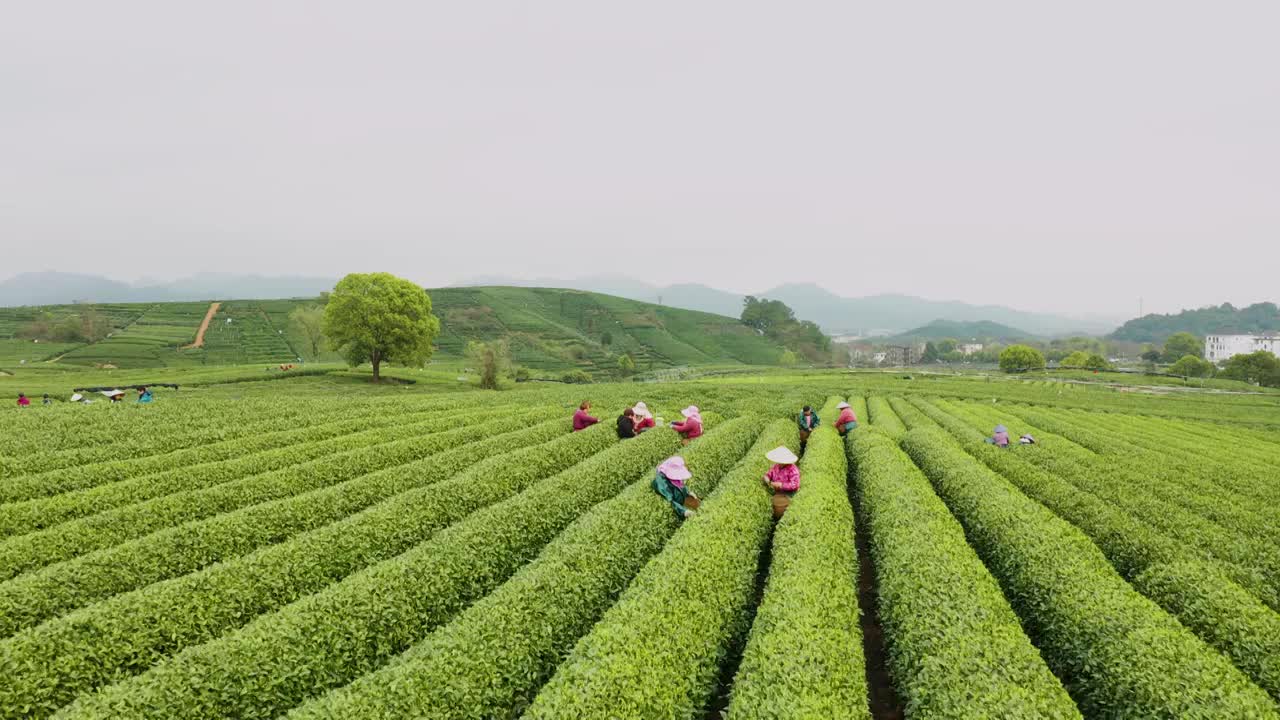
[208, 318]
[884, 701]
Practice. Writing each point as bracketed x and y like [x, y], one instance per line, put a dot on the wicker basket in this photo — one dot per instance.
[692, 503]
[780, 503]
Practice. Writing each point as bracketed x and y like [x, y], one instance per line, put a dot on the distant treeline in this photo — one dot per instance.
[1223, 319]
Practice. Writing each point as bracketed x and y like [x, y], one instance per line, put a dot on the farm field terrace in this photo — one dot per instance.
[312, 546]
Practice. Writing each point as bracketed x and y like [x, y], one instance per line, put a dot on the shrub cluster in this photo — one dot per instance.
[328, 639]
[1121, 654]
[954, 641]
[803, 657]
[48, 666]
[491, 660]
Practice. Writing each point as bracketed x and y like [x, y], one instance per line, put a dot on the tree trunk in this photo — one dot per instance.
[376, 359]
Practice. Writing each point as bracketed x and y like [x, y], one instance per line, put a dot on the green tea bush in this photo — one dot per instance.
[883, 417]
[657, 653]
[491, 660]
[315, 465]
[49, 665]
[1121, 654]
[52, 591]
[330, 638]
[804, 654]
[100, 487]
[956, 647]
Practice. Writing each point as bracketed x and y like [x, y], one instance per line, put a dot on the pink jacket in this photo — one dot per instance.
[786, 475]
[691, 427]
[581, 420]
[846, 416]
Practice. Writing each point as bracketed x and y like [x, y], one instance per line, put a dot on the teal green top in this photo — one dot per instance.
[673, 494]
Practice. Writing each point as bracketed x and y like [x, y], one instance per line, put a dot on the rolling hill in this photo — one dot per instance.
[1220, 319]
[554, 328]
[548, 330]
[835, 314]
[982, 330]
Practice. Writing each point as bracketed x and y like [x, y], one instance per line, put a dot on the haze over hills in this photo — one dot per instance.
[59, 288]
[884, 314]
[835, 314]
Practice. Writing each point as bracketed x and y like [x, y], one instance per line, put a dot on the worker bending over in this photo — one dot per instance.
[847, 420]
[808, 422]
[581, 419]
[670, 482]
[691, 427]
[644, 418]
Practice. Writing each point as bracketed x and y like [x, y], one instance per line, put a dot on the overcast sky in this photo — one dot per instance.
[1067, 156]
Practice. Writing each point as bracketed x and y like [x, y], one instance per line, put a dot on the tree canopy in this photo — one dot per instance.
[492, 360]
[1259, 367]
[1192, 366]
[1221, 319]
[1077, 359]
[1021, 358]
[1181, 344]
[377, 317]
[309, 322]
[777, 321]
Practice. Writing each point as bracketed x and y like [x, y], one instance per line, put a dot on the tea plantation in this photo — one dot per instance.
[306, 545]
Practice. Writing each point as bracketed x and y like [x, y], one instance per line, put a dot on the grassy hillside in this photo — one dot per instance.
[549, 330]
[980, 330]
[552, 329]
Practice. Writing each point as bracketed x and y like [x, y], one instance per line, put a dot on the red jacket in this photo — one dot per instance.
[644, 424]
[582, 420]
[690, 428]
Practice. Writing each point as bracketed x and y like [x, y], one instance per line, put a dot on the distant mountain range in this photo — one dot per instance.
[59, 288]
[837, 315]
[982, 331]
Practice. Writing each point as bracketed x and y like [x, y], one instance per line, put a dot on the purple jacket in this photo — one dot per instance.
[581, 420]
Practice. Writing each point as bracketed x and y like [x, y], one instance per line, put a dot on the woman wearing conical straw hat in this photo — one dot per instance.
[691, 427]
[644, 418]
[847, 420]
[670, 482]
[784, 476]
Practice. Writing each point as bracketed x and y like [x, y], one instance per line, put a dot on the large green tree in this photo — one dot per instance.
[309, 322]
[1192, 366]
[492, 360]
[376, 317]
[774, 319]
[1021, 358]
[1077, 359]
[1181, 344]
[1259, 367]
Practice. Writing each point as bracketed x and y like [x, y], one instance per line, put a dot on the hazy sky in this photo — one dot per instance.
[1066, 156]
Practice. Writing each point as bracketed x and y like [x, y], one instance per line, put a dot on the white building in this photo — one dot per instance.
[970, 348]
[1220, 348]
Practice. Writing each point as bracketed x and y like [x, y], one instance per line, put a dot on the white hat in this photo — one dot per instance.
[842, 406]
[782, 456]
[641, 410]
[77, 397]
[690, 411]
